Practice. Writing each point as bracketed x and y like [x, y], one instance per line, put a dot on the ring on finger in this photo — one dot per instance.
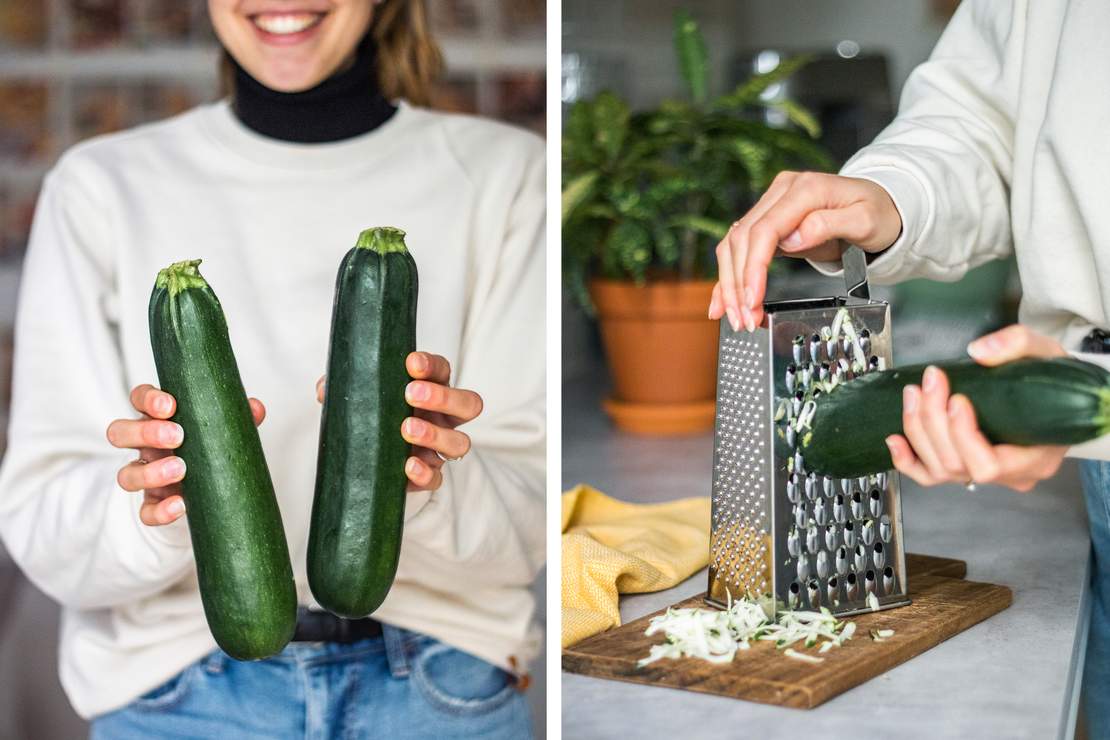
[970, 485]
[143, 461]
[446, 459]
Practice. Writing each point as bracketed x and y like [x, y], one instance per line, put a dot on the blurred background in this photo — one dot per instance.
[71, 69]
[861, 53]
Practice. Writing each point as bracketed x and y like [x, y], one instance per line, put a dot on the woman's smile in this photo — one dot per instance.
[291, 45]
[286, 27]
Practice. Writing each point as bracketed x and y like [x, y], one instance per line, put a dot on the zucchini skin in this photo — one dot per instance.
[1058, 401]
[242, 558]
[358, 508]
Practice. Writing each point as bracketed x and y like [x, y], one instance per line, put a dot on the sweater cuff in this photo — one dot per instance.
[912, 203]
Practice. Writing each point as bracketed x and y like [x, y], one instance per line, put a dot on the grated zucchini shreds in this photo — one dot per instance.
[792, 653]
[716, 635]
[873, 602]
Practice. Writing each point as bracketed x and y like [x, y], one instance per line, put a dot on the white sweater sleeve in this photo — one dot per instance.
[489, 514]
[63, 518]
[947, 159]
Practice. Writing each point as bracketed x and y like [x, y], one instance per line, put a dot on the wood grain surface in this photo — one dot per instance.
[943, 605]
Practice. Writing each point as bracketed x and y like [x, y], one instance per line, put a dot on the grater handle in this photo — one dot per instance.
[855, 272]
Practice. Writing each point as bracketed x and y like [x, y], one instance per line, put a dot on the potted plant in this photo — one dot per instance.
[647, 195]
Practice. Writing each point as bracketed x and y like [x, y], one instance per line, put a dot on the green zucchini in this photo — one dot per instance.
[243, 568]
[1060, 401]
[354, 538]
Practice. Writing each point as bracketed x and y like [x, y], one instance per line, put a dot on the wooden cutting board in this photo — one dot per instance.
[943, 605]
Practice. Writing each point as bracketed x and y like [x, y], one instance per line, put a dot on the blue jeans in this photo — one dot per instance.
[1096, 671]
[401, 686]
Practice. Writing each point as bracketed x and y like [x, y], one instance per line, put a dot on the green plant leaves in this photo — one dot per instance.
[712, 227]
[650, 193]
[749, 92]
[576, 192]
[693, 56]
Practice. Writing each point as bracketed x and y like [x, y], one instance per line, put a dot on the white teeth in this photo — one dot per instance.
[286, 23]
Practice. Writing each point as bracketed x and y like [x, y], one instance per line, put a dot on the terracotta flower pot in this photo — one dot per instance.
[662, 353]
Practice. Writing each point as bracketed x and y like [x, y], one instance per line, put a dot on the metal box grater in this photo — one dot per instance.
[781, 534]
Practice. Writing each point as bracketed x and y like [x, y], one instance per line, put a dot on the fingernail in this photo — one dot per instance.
[173, 467]
[732, 318]
[162, 405]
[412, 466]
[984, 347]
[712, 305]
[929, 381]
[890, 446]
[749, 322]
[415, 427]
[172, 434]
[176, 507]
[749, 297]
[419, 361]
[954, 409]
[909, 398]
[418, 392]
[794, 239]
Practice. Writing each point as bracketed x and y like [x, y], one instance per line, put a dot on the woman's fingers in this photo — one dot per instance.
[136, 433]
[716, 306]
[1011, 343]
[153, 402]
[450, 443]
[423, 469]
[726, 278]
[258, 411]
[732, 256]
[158, 511]
[458, 403]
[913, 428]
[140, 475]
[978, 455]
[936, 424]
[906, 462]
[320, 386]
[426, 366]
[422, 475]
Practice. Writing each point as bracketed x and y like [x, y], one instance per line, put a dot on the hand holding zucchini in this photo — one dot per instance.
[1057, 401]
[246, 581]
[358, 508]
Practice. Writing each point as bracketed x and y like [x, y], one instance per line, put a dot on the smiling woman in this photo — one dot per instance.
[320, 137]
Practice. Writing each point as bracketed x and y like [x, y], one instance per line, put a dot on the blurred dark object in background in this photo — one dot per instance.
[848, 91]
[96, 23]
[22, 24]
[522, 99]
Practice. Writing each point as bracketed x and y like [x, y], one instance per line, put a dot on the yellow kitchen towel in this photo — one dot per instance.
[612, 547]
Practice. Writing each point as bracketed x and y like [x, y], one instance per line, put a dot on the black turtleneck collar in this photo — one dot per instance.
[346, 104]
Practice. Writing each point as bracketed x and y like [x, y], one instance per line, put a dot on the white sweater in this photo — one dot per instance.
[1002, 145]
[271, 221]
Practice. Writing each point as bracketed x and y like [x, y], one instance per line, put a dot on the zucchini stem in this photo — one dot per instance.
[180, 276]
[383, 240]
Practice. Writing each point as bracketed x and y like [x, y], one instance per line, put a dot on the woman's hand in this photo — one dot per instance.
[157, 472]
[942, 441]
[802, 214]
[438, 410]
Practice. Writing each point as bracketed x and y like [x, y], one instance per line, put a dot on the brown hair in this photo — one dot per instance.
[409, 59]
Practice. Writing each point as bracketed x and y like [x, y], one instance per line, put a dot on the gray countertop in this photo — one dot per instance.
[1011, 676]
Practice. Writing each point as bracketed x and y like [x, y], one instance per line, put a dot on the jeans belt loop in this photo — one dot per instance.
[395, 652]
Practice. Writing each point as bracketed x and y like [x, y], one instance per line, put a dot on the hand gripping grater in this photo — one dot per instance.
[790, 537]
